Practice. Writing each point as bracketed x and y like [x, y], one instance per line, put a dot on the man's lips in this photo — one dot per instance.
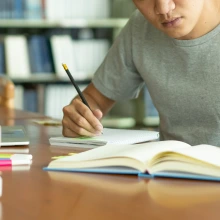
[168, 21]
[172, 22]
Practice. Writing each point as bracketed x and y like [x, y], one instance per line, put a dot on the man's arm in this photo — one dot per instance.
[78, 119]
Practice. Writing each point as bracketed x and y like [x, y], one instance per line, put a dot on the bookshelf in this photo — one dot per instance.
[56, 24]
[76, 23]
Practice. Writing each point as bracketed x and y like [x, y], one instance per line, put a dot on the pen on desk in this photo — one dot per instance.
[76, 86]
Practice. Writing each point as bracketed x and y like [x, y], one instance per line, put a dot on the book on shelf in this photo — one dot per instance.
[2, 57]
[74, 9]
[40, 54]
[30, 101]
[7, 8]
[18, 9]
[64, 94]
[170, 159]
[63, 52]
[35, 53]
[109, 136]
[73, 52]
[33, 9]
[17, 57]
[95, 50]
[19, 97]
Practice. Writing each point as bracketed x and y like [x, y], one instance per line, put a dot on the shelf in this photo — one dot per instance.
[76, 23]
[46, 78]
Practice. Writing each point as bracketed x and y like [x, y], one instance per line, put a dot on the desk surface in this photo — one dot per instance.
[37, 194]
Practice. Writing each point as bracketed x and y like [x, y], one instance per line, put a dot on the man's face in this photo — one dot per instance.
[180, 19]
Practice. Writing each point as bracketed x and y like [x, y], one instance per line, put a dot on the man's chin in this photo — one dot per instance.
[176, 35]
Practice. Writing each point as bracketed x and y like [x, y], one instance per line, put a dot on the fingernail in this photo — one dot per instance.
[98, 133]
[99, 128]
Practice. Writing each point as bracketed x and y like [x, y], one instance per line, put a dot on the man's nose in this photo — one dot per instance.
[164, 6]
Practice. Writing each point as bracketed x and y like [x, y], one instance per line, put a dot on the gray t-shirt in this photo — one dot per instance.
[182, 76]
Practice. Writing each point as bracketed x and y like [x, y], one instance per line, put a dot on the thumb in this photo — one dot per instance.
[98, 114]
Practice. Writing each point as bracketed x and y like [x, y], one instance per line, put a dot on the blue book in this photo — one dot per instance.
[170, 159]
[46, 57]
[18, 9]
[35, 53]
[2, 9]
[2, 58]
[40, 55]
[30, 100]
[8, 8]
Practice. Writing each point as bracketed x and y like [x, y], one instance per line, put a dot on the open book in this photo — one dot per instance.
[160, 159]
[109, 136]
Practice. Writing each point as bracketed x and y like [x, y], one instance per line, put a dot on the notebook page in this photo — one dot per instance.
[125, 136]
[109, 136]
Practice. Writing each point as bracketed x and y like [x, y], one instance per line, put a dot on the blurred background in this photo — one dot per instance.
[37, 36]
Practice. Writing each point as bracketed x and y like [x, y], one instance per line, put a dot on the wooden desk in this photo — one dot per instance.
[37, 194]
[8, 116]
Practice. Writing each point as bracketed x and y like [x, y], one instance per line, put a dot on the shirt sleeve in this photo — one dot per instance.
[117, 77]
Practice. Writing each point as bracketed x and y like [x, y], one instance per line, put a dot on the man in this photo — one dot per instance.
[174, 47]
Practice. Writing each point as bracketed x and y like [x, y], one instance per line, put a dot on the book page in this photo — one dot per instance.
[141, 152]
[197, 160]
[206, 153]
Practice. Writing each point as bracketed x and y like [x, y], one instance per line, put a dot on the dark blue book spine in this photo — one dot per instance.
[2, 58]
[35, 53]
[30, 100]
[40, 55]
[46, 56]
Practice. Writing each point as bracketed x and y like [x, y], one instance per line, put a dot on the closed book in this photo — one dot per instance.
[31, 100]
[8, 8]
[33, 9]
[40, 54]
[2, 57]
[17, 57]
[18, 9]
[63, 52]
[14, 150]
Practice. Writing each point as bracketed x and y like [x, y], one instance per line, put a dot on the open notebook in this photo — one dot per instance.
[109, 136]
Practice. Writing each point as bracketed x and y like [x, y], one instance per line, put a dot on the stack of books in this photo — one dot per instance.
[15, 161]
